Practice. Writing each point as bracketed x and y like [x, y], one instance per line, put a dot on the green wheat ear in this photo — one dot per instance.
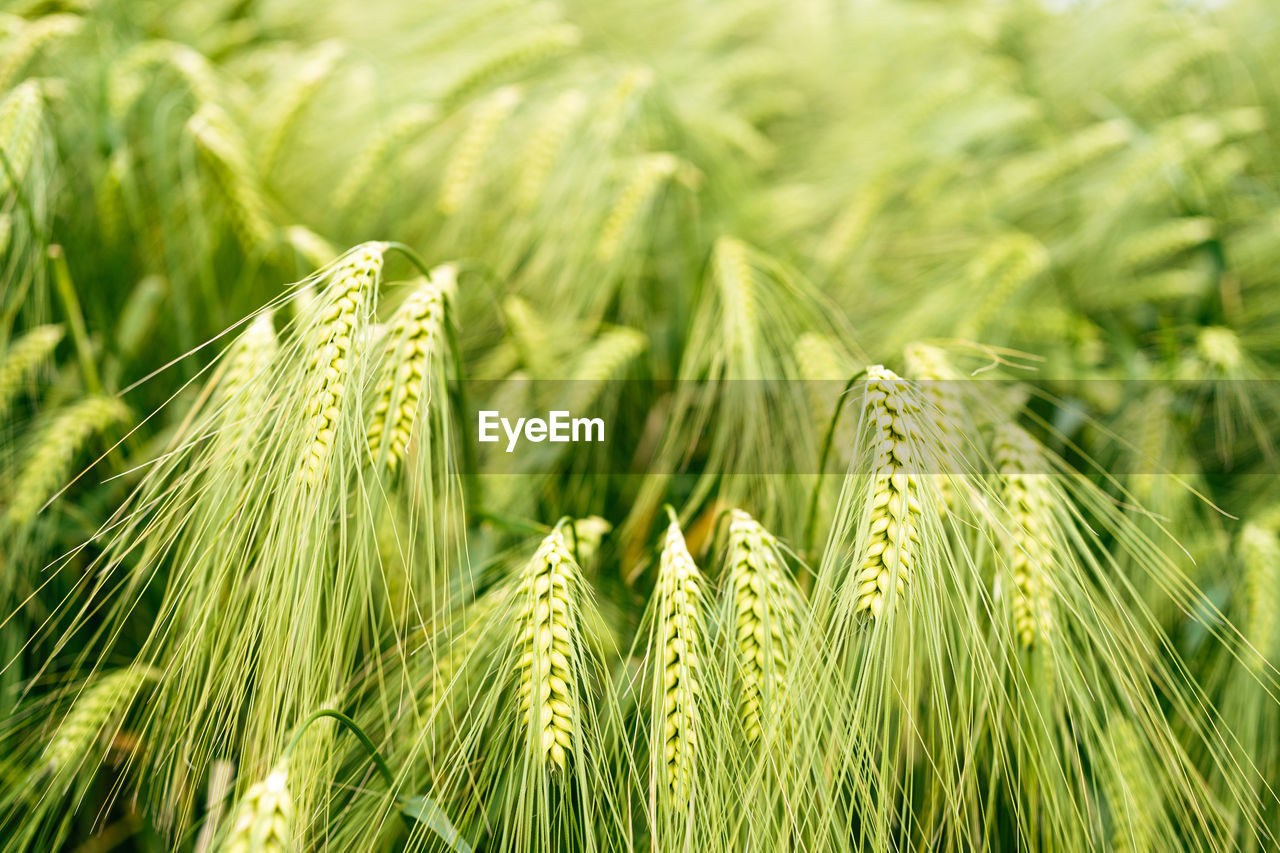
[263, 820]
[766, 610]
[548, 695]
[22, 359]
[680, 661]
[98, 708]
[415, 343]
[887, 563]
[1022, 473]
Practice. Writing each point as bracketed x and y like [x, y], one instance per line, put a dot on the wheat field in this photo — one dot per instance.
[665, 425]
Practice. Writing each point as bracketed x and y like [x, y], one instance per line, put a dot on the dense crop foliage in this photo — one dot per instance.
[934, 345]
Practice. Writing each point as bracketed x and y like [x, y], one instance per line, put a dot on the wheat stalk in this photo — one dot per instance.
[766, 611]
[1018, 459]
[54, 448]
[680, 633]
[416, 339]
[549, 649]
[459, 173]
[894, 533]
[351, 284]
[263, 820]
[22, 359]
[99, 707]
[1259, 550]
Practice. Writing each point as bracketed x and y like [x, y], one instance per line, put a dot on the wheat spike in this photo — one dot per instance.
[1129, 790]
[943, 409]
[613, 110]
[518, 52]
[1020, 462]
[302, 86]
[588, 534]
[20, 117]
[241, 389]
[1087, 146]
[1165, 241]
[1259, 550]
[351, 284]
[549, 649]
[545, 143]
[766, 610]
[1003, 267]
[219, 143]
[263, 819]
[32, 39]
[372, 160]
[459, 173]
[313, 248]
[681, 629]
[894, 534]
[53, 450]
[647, 176]
[128, 76]
[100, 706]
[416, 339]
[22, 359]
[1220, 349]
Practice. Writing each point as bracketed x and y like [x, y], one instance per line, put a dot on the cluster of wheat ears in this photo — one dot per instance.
[934, 342]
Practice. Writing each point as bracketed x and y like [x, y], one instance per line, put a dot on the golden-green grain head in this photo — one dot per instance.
[289, 103]
[549, 649]
[243, 390]
[680, 651]
[460, 171]
[545, 144]
[309, 245]
[1132, 794]
[1021, 467]
[943, 409]
[355, 194]
[504, 58]
[588, 534]
[1006, 265]
[1220, 349]
[99, 707]
[416, 340]
[765, 607]
[1164, 242]
[894, 535]
[263, 820]
[21, 113]
[219, 142]
[647, 176]
[22, 359]
[1259, 550]
[130, 74]
[53, 449]
[350, 287]
[30, 40]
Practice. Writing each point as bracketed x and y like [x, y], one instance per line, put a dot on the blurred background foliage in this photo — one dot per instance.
[1086, 199]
